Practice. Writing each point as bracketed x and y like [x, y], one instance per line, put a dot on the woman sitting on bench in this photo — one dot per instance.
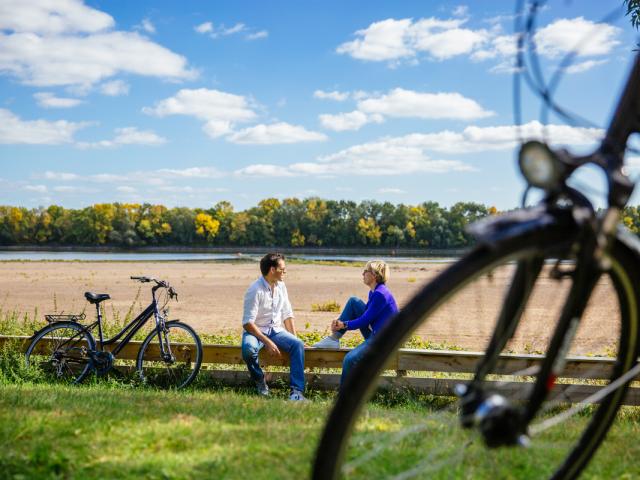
[368, 317]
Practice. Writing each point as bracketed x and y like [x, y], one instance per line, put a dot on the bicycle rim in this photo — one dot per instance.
[186, 357]
[425, 440]
[61, 352]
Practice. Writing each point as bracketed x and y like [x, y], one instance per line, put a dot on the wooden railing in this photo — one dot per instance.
[429, 371]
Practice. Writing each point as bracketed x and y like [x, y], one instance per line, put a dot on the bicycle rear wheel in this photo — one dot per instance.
[425, 439]
[61, 351]
[182, 364]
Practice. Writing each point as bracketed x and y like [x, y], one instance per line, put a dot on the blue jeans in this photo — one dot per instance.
[284, 341]
[353, 309]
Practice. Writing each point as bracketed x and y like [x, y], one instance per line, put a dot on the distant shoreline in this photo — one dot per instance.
[379, 251]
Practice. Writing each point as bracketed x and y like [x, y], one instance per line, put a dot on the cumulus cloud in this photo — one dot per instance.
[71, 16]
[114, 88]
[36, 188]
[127, 136]
[257, 35]
[393, 41]
[205, 104]
[334, 95]
[13, 130]
[401, 103]
[215, 32]
[275, 133]
[407, 103]
[205, 27]
[222, 112]
[49, 100]
[418, 152]
[68, 43]
[587, 38]
[148, 26]
[349, 121]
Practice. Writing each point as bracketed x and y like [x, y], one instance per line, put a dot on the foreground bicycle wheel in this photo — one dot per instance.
[178, 371]
[61, 352]
[461, 307]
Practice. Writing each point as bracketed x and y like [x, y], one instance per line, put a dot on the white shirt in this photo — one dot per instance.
[265, 308]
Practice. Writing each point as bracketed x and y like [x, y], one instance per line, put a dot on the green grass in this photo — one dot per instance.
[330, 306]
[108, 430]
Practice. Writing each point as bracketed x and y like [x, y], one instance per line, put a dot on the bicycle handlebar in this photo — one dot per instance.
[159, 284]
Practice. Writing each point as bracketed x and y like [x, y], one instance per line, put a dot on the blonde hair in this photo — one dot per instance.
[379, 269]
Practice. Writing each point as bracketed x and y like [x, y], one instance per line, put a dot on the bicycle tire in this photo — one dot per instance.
[331, 451]
[54, 355]
[186, 349]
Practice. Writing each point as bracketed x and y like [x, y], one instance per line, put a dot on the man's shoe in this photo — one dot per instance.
[296, 396]
[262, 389]
[327, 342]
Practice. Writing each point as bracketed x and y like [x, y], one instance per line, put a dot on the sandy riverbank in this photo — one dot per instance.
[211, 297]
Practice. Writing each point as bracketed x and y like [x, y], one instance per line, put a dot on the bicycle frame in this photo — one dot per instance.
[129, 331]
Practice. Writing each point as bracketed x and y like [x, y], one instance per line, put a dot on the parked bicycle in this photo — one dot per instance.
[169, 357]
[521, 423]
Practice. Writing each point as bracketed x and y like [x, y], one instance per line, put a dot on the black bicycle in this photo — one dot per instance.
[561, 261]
[169, 357]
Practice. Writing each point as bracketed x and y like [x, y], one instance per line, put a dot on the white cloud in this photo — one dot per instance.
[401, 103]
[127, 136]
[13, 130]
[275, 133]
[260, 170]
[407, 103]
[348, 121]
[68, 43]
[394, 41]
[49, 100]
[205, 27]
[584, 66]
[67, 60]
[36, 188]
[221, 30]
[397, 191]
[334, 95]
[205, 104]
[257, 35]
[148, 26]
[60, 176]
[193, 172]
[383, 40]
[71, 189]
[43, 17]
[584, 36]
[114, 88]
[125, 189]
[443, 39]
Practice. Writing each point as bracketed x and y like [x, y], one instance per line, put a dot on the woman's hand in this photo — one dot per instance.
[337, 325]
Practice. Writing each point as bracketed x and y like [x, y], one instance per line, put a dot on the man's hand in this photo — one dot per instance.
[272, 348]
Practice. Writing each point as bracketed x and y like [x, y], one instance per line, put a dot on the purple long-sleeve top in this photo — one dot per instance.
[381, 306]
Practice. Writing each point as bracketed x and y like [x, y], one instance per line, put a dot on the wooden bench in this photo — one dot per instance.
[427, 371]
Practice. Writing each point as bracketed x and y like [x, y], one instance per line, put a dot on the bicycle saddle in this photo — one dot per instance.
[96, 297]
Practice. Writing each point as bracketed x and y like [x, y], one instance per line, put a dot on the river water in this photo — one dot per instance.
[183, 256]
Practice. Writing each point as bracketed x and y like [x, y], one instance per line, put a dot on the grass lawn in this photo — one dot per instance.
[107, 430]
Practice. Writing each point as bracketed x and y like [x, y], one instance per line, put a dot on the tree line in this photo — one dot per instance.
[312, 222]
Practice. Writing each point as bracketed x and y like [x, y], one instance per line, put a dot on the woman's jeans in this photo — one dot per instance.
[284, 341]
[352, 310]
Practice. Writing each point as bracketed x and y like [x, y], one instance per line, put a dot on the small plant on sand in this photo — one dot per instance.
[330, 306]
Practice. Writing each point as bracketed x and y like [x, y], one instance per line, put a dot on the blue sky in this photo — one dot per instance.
[189, 103]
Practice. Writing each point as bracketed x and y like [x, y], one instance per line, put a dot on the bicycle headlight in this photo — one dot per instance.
[539, 165]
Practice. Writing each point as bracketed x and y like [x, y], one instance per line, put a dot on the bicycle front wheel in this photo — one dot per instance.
[181, 361]
[460, 308]
[61, 352]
